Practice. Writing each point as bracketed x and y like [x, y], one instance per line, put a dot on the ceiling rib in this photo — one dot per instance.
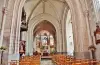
[43, 6]
[45, 14]
[27, 1]
[54, 8]
[64, 2]
[33, 11]
[60, 1]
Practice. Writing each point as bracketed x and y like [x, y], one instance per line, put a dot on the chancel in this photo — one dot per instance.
[44, 38]
[49, 32]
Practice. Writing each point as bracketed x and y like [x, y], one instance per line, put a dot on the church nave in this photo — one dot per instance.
[49, 32]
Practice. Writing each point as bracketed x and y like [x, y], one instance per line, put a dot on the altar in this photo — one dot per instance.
[45, 44]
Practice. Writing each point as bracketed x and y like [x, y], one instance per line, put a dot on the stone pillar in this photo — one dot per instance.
[64, 29]
[59, 40]
[29, 43]
[1, 6]
[14, 35]
[81, 32]
[3, 12]
[6, 28]
[62, 45]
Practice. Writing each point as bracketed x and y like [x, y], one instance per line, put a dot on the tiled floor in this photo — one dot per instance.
[46, 62]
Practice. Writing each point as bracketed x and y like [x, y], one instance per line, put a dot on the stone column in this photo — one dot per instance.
[6, 29]
[3, 12]
[29, 42]
[14, 54]
[64, 28]
[59, 40]
[62, 44]
[81, 31]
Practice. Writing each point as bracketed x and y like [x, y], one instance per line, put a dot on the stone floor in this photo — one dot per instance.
[46, 62]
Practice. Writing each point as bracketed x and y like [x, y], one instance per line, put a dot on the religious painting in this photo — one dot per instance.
[45, 43]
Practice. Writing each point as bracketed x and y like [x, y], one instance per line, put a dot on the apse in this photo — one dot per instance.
[44, 38]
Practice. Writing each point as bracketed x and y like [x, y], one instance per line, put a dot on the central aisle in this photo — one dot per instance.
[46, 62]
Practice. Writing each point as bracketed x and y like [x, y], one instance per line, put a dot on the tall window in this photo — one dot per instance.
[69, 35]
[96, 4]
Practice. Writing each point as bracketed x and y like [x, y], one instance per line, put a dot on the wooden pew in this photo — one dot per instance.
[67, 60]
[27, 60]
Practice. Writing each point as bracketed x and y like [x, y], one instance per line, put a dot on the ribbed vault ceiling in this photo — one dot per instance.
[44, 25]
[55, 8]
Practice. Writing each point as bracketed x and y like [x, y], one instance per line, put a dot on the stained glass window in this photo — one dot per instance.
[45, 42]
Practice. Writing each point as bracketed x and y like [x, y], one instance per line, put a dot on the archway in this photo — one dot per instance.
[38, 20]
[44, 38]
